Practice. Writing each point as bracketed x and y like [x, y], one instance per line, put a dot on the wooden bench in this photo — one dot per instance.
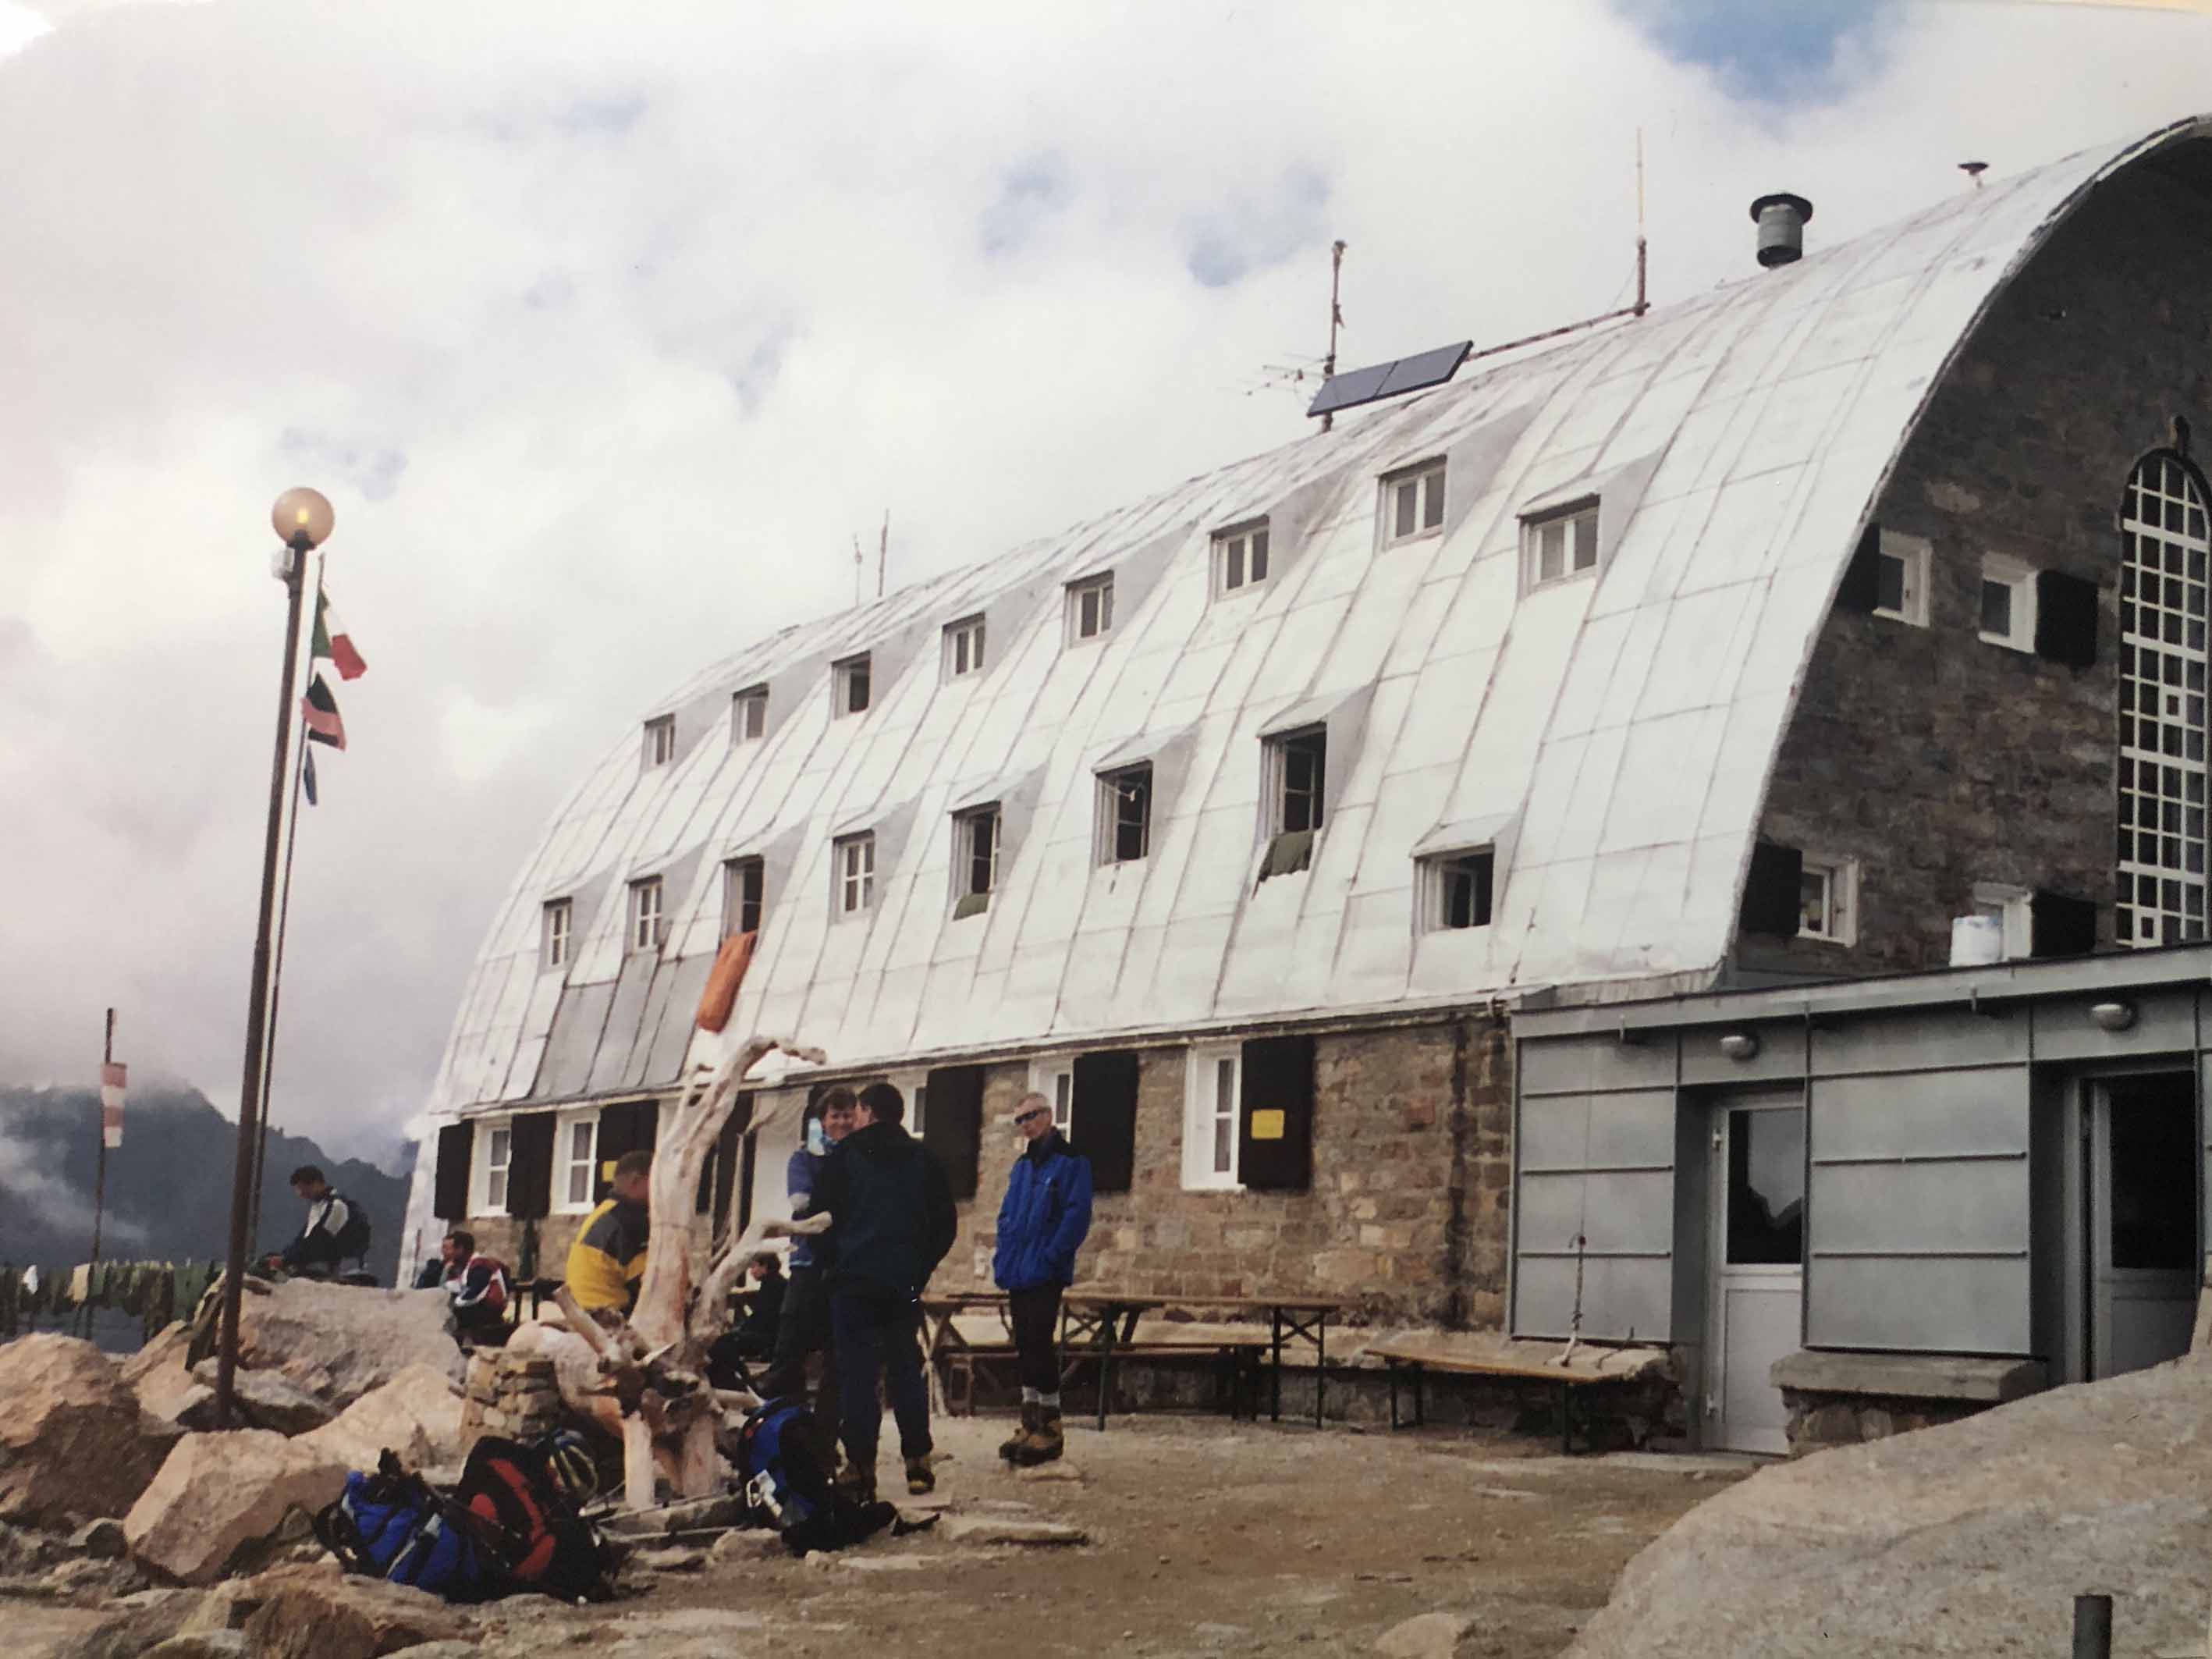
[963, 1343]
[1419, 1357]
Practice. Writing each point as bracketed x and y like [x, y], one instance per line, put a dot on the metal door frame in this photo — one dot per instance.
[1718, 1104]
[2079, 1253]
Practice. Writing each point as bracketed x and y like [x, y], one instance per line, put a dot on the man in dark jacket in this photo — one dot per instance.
[891, 1222]
[1041, 1223]
[804, 1327]
[333, 1233]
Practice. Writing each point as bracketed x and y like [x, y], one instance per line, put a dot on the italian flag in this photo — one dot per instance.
[333, 644]
[321, 710]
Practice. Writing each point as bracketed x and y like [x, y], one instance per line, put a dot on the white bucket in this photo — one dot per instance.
[1976, 941]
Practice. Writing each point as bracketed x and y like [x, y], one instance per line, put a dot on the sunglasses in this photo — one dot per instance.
[1033, 1112]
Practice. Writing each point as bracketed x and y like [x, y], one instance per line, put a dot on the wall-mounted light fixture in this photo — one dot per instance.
[1740, 1045]
[2112, 1016]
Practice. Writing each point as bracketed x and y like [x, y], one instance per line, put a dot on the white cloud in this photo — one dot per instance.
[607, 332]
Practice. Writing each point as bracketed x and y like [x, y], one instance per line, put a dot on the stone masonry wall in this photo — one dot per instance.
[1405, 1214]
[1937, 760]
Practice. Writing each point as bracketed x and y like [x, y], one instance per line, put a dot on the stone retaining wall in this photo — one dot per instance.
[1818, 1421]
[513, 1396]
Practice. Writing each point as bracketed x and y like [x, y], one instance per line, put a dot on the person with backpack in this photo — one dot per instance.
[891, 1221]
[476, 1292]
[336, 1231]
[1042, 1222]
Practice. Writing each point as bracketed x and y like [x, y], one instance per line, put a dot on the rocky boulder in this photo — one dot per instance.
[265, 1400]
[75, 1443]
[417, 1415]
[169, 1343]
[221, 1495]
[1970, 1538]
[339, 1342]
[318, 1612]
[136, 1624]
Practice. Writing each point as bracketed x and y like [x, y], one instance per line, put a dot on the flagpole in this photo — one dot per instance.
[100, 1169]
[277, 971]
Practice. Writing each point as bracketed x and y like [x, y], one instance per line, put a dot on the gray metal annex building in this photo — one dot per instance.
[1504, 842]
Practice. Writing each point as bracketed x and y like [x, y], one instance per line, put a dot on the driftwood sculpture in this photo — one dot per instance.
[656, 1360]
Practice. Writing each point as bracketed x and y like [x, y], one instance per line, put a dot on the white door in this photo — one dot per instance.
[1758, 1268]
[2144, 1264]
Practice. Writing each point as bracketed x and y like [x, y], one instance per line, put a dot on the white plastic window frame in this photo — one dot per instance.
[852, 875]
[734, 871]
[963, 849]
[1567, 522]
[659, 741]
[1428, 481]
[492, 1134]
[858, 666]
[2000, 570]
[1107, 853]
[963, 647]
[1102, 614]
[913, 1088]
[646, 926]
[1275, 780]
[1840, 901]
[2011, 908]
[566, 1168]
[1203, 1114]
[556, 934]
[1053, 1076]
[1236, 551]
[1434, 889]
[749, 715]
[1915, 555]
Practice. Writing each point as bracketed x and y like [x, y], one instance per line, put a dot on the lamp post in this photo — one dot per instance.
[302, 519]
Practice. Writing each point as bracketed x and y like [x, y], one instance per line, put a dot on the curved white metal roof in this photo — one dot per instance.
[1615, 735]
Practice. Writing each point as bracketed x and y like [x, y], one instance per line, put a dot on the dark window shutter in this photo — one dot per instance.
[729, 1157]
[1104, 1118]
[1771, 898]
[530, 1166]
[1861, 577]
[953, 1127]
[628, 1126]
[457, 1146]
[746, 1182]
[2061, 927]
[1274, 1130]
[2065, 619]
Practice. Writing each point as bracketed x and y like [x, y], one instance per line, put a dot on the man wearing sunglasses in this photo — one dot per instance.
[1041, 1224]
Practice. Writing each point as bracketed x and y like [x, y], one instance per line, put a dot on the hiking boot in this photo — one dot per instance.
[1045, 1443]
[856, 1483]
[919, 1477]
[1011, 1447]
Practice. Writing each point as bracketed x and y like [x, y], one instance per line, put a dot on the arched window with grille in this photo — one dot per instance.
[2163, 552]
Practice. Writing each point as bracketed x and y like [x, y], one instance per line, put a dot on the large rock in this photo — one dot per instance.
[340, 1341]
[417, 1415]
[74, 1443]
[1971, 1538]
[266, 1400]
[220, 1494]
[170, 1343]
[319, 1613]
[137, 1623]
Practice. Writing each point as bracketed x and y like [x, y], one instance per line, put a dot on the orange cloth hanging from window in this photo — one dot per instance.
[724, 979]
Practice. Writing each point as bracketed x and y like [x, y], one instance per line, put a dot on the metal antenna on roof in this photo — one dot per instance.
[858, 566]
[1974, 170]
[1335, 318]
[1642, 303]
[883, 552]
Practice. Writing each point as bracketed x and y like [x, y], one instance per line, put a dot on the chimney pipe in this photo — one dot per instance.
[1781, 219]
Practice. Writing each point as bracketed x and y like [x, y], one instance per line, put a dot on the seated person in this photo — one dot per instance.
[335, 1229]
[606, 1264]
[754, 1338]
[476, 1292]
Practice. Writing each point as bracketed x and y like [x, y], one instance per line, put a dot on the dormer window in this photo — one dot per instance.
[1090, 609]
[1457, 889]
[1556, 547]
[963, 647]
[1239, 557]
[749, 715]
[659, 741]
[1413, 502]
[849, 687]
[744, 887]
[975, 861]
[554, 932]
[1296, 780]
[1125, 814]
[852, 870]
[646, 927]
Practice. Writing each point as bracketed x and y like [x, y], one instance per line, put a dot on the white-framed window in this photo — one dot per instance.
[749, 714]
[1090, 609]
[2010, 907]
[1828, 900]
[555, 923]
[849, 686]
[1239, 557]
[495, 1154]
[974, 859]
[660, 740]
[744, 891]
[1455, 889]
[1901, 578]
[1413, 502]
[2007, 602]
[963, 647]
[852, 867]
[1054, 1077]
[1213, 1098]
[575, 1140]
[647, 926]
[914, 1086]
[1298, 778]
[1558, 546]
[1125, 814]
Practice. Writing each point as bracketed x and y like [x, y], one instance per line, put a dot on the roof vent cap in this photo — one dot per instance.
[1781, 220]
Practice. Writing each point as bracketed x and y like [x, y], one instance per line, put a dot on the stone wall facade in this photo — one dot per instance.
[1937, 760]
[1818, 1421]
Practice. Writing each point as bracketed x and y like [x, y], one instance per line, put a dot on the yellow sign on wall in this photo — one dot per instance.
[607, 1172]
[1267, 1125]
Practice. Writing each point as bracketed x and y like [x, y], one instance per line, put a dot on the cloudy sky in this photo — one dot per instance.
[606, 329]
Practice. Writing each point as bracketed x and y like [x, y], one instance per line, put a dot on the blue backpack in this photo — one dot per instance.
[391, 1525]
[778, 1471]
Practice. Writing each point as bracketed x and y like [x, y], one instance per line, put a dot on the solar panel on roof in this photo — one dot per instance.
[1414, 374]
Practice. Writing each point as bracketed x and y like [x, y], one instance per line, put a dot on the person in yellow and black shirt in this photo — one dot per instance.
[606, 1263]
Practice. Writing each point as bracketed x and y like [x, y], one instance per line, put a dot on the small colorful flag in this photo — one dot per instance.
[308, 775]
[321, 710]
[111, 1103]
[333, 644]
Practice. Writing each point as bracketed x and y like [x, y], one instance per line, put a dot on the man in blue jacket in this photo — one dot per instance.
[1041, 1224]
